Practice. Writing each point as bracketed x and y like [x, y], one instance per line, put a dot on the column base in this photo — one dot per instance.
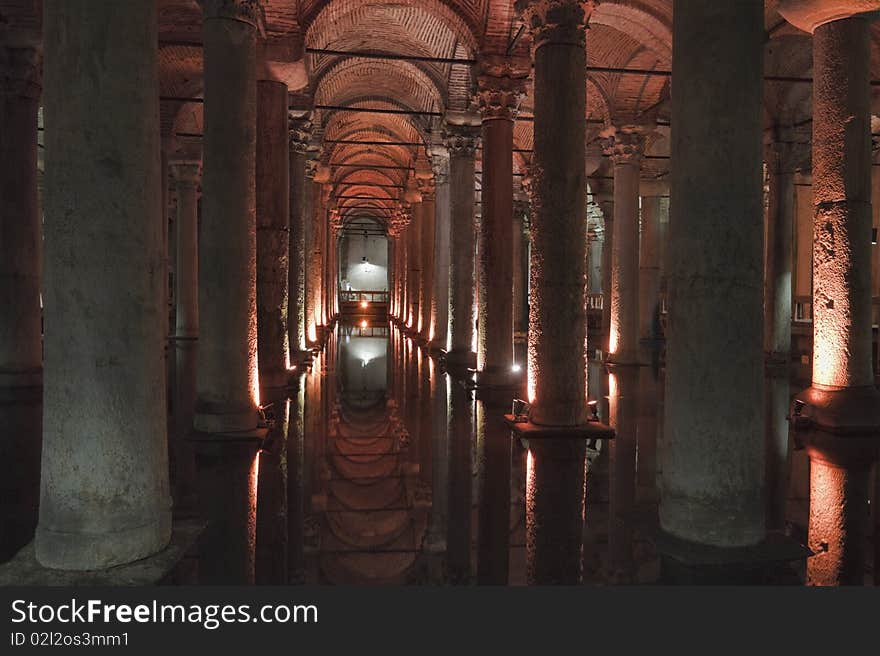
[216, 419]
[64, 550]
[437, 346]
[175, 564]
[300, 359]
[501, 379]
[460, 359]
[767, 563]
[273, 382]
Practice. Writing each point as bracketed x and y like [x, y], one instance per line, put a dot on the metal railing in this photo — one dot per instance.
[351, 296]
[595, 301]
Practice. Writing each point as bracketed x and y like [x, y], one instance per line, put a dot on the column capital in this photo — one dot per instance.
[461, 140]
[311, 168]
[807, 15]
[556, 21]
[243, 11]
[624, 144]
[21, 71]
[187, 173]
[427, 188]
[336, 221]
[300, 131]
[501, 87]
[439, 163]
[399, 220]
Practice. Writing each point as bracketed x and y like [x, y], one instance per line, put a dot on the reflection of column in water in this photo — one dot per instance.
[493, 454]
[623, 383]
[183, 465]
[296, 489]
[776, 462]
[597, 484]
[272, 545]
[21, 416]
[411, 405]
[439, 461]
[646, 466]
[458, 528]
[426, 424]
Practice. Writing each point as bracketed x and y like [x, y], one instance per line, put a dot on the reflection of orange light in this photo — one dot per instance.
[613, 337]
[364, 323]
[364, 304]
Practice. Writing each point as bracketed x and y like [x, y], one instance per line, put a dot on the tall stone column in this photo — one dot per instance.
[21, 345]
[777, 326]
[273, 233]
[312, 196]
[520, 267]
[426, 291]
[606, 204]
[300, 132]
[713, 449]
[414, 266]
[838, 418]
[226, 415]
[461, 140]
[500, 90]
[625, 146]
[187, 175]
[105, 496]
[649, 262]
[558, 426]
[440, 297]
[21, 357]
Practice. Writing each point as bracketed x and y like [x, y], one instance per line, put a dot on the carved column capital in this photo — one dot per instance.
[187, 174]
[300, 131]
[21, 71]
[556, 21]
[244, 11]
[500, 89]
[624, 145]
[440, 164]
[461, 140]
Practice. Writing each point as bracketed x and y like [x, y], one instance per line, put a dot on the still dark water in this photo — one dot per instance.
[371, 472]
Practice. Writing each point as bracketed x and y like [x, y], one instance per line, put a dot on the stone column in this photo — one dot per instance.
[713, 453]
[299, 134]
[777, 326]
[414, 266]
[520, 267]
[625, 146]
[461, 140]
[460, 505]
[312, 196]
[557, 428]
[838, 418]
[500, 92]
[273, 233]
[105, 497]
[226, 415]
[186, 267]
[606, 204]
[440, 297]
[426, 291]
[21, 345]
[649, 263]
[21, 357]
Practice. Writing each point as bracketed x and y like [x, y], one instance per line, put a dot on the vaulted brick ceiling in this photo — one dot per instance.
[632, 34]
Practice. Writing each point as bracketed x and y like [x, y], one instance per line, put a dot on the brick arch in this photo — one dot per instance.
[400, 82]
[325, 21]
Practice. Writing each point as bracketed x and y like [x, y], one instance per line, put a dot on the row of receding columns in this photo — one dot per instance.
[105, 494]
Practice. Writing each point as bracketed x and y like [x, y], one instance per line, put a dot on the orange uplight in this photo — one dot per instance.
[364, 304]
[364, 323]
